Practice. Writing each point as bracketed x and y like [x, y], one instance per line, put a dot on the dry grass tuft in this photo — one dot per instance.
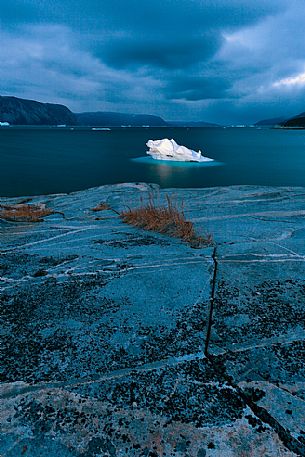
[167, 219]
[101, 207]
[23, 212]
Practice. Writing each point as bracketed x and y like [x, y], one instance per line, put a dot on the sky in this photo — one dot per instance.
[223, 61]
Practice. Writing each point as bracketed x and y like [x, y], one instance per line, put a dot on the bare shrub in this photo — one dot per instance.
[101, 207]
[24, 213]
[167, 219]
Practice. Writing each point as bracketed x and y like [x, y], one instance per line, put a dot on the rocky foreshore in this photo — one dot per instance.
[121, 342]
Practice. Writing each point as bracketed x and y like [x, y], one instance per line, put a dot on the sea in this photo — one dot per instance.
[45, 160]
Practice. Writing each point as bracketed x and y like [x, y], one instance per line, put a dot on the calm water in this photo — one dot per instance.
[45, 160]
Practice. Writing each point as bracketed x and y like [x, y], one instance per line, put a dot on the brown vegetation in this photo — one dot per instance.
[101, 207]
[166, 219]
[23, 212]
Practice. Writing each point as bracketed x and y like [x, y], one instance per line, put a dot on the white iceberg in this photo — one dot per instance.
[4, 124]
[169, 150]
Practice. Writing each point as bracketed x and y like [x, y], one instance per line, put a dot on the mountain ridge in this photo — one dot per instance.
[295, 121]
[20, 111]
[271, 121]
[113, 119]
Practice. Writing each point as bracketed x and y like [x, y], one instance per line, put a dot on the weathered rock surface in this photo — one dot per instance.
[120, 342]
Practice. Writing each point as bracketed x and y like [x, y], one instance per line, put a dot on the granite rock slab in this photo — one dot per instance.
[122, 342]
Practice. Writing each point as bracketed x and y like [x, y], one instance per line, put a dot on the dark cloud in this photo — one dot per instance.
[217, 60]
[165, 33]
[168, 52]
[12, 13]
[157, 32]
[136, 15]
[194, 88]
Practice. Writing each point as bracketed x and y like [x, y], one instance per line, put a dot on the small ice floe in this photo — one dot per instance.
[169, 150]
[100, 128]
[4, 124]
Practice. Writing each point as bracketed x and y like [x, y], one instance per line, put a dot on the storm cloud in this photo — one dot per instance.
[214, 60]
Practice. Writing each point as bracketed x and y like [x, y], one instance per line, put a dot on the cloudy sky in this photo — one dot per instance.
[230, 61]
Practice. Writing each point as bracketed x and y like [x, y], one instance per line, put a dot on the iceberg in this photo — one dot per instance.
[169, 150]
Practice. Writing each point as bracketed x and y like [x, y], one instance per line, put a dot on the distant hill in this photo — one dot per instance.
[18, 111]
[296, 121]
[109, 119]
[191, 124]
[272, 121]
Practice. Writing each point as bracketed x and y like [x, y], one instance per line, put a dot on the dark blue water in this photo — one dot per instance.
[47, 160]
